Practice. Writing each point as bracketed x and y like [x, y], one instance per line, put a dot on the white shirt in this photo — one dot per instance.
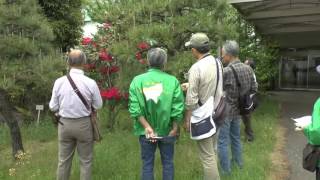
[67, 102]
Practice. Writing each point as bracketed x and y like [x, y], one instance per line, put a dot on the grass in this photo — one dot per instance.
[118, 156]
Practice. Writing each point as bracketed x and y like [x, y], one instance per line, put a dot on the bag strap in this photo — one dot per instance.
[76, 90]
[237, 79]
[218, 78]
[235, 76]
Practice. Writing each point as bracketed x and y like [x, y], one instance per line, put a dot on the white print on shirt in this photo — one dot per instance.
[153, 92]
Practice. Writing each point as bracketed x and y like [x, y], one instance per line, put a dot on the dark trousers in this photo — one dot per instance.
[148, 149]
[247, 125]
[318, 173]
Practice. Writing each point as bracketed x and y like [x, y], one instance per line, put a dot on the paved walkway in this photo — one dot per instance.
[295, 104]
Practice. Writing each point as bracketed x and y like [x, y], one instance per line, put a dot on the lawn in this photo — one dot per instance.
[118, 156]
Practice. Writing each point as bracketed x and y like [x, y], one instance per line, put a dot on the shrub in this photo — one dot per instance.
[103, 66]
[30, 83]
[165, 23]
[24, 31]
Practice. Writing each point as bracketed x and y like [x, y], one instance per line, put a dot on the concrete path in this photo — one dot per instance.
[295, 104]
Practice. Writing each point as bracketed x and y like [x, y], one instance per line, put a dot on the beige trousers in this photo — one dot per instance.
[75, 134]
[208, 157]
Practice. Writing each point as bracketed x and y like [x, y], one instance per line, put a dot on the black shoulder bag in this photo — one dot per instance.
[311, 156]
[246, 101]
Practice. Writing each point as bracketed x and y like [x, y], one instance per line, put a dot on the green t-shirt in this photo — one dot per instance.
[158, 97]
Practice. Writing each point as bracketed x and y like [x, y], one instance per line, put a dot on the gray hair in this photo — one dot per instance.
[157, 57]
[231, 48]
[77, 58]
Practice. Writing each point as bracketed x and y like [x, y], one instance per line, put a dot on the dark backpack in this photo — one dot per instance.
[311, 156]
[248, 102]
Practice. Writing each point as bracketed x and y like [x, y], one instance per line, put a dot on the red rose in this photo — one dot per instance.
[109, 70]
[107, 25]
[125, 96]
[138, 55]
[104, 94]
[112, 93]
[86, 41]
[105, 56]
[104, 70]
[114, 69]
[143, 46]
[95, 45]
[89, 66]
[142, 61]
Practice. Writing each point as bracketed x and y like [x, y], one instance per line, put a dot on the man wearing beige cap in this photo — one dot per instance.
[75, 128]
[203, 83]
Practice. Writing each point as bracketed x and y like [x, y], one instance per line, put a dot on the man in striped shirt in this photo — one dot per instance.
[230, 130]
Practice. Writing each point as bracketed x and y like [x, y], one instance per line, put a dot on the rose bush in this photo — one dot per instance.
[103, 66]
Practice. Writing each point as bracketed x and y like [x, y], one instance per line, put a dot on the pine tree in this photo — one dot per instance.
[165, 23]
[66, 20]
[24, 34]
[24, 31]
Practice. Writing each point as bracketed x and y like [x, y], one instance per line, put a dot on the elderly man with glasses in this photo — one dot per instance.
[230, 131]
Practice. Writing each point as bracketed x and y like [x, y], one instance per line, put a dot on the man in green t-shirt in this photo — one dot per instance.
[156, 104]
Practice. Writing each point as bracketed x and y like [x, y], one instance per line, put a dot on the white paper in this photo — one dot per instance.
[302, 122]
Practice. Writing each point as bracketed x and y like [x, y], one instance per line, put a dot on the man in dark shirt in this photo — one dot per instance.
[247, 117]
[230, 130]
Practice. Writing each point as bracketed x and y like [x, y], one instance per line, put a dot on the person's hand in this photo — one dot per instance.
[150, 134]
[300, 126]
[173, 132]
[298, 129]
[184, 86]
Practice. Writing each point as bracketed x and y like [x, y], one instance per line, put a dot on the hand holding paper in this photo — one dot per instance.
[302, 122]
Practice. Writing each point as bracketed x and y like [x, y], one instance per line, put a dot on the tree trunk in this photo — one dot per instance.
[16, 139]
[11, 117]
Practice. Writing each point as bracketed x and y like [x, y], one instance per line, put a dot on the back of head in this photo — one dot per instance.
[76, 58]
[157, 58]
[231, 48]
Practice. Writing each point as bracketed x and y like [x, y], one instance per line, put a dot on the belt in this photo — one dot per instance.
[75, 118]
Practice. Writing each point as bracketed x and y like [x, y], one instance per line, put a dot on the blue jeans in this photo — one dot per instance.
[148, 149]
[230, 130]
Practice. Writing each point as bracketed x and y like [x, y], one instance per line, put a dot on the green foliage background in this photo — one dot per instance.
[66, 20]
[24, 31]
[29, 34]
[28, 61]
[171, 23]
